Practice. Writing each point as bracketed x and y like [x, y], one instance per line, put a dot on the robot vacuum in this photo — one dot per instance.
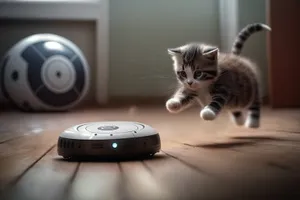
[108, 139]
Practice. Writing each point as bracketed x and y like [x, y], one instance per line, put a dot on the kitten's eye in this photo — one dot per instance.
[197, 74]
[181, 74]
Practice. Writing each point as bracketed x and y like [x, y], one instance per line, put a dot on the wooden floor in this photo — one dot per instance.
[198, 160]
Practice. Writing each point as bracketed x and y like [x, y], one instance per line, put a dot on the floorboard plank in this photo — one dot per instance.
[48, 179]
[139, 183]
[19, 155]
[199, 159]
[8, 137]
[246, 175]
[96, 180]
[284, 155]
[181, 181]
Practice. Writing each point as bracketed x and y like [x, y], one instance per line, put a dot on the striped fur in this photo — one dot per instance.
[244, 34]
[218, 80]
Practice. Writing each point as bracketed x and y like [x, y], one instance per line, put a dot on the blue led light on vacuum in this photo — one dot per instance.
[114, 145]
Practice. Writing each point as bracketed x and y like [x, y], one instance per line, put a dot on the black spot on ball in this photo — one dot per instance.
[2, 84]
[58, 74]
[15, 75]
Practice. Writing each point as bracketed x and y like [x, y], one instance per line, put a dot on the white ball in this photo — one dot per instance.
[45, 72]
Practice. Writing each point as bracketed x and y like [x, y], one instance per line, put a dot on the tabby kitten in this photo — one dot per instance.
[218, 80]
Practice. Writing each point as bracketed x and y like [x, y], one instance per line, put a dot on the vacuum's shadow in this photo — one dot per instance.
[111, 159]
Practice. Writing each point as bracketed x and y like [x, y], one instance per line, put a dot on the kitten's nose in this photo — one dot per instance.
[190, 82]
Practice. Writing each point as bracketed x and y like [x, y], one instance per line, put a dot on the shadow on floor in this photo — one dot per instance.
[258, 138]
[223, 145]
[240, 141]
[112, 159]
[278, 165]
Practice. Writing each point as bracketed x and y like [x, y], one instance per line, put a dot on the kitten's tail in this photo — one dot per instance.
[245, 33]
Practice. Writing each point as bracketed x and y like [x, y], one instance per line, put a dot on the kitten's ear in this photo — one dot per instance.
[174, 51]
[211, 53]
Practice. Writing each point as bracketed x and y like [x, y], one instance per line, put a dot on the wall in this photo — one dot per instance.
[228, 22]
[140, 33]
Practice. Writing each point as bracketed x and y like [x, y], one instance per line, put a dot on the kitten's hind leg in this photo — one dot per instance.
[253, 115]
[237, 117]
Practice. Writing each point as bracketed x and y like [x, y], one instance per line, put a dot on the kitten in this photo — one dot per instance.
[218, 80]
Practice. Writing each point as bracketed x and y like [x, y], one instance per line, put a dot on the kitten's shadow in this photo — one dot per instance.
[258, 138]
[240, 141]
[223, 144]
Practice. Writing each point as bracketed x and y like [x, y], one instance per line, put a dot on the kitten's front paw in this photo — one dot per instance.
[207, 114]
[173, 105]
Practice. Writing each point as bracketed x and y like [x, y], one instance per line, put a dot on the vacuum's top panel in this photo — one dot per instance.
[108, 130]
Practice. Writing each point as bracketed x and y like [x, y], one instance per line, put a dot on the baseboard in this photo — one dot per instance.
[119, 102]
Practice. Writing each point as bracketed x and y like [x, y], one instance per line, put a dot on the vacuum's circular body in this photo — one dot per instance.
[109, 139]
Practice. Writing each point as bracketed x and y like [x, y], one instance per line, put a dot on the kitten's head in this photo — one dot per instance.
[195, 65]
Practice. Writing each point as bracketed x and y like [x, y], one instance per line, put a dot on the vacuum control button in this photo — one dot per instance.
[108, 128]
